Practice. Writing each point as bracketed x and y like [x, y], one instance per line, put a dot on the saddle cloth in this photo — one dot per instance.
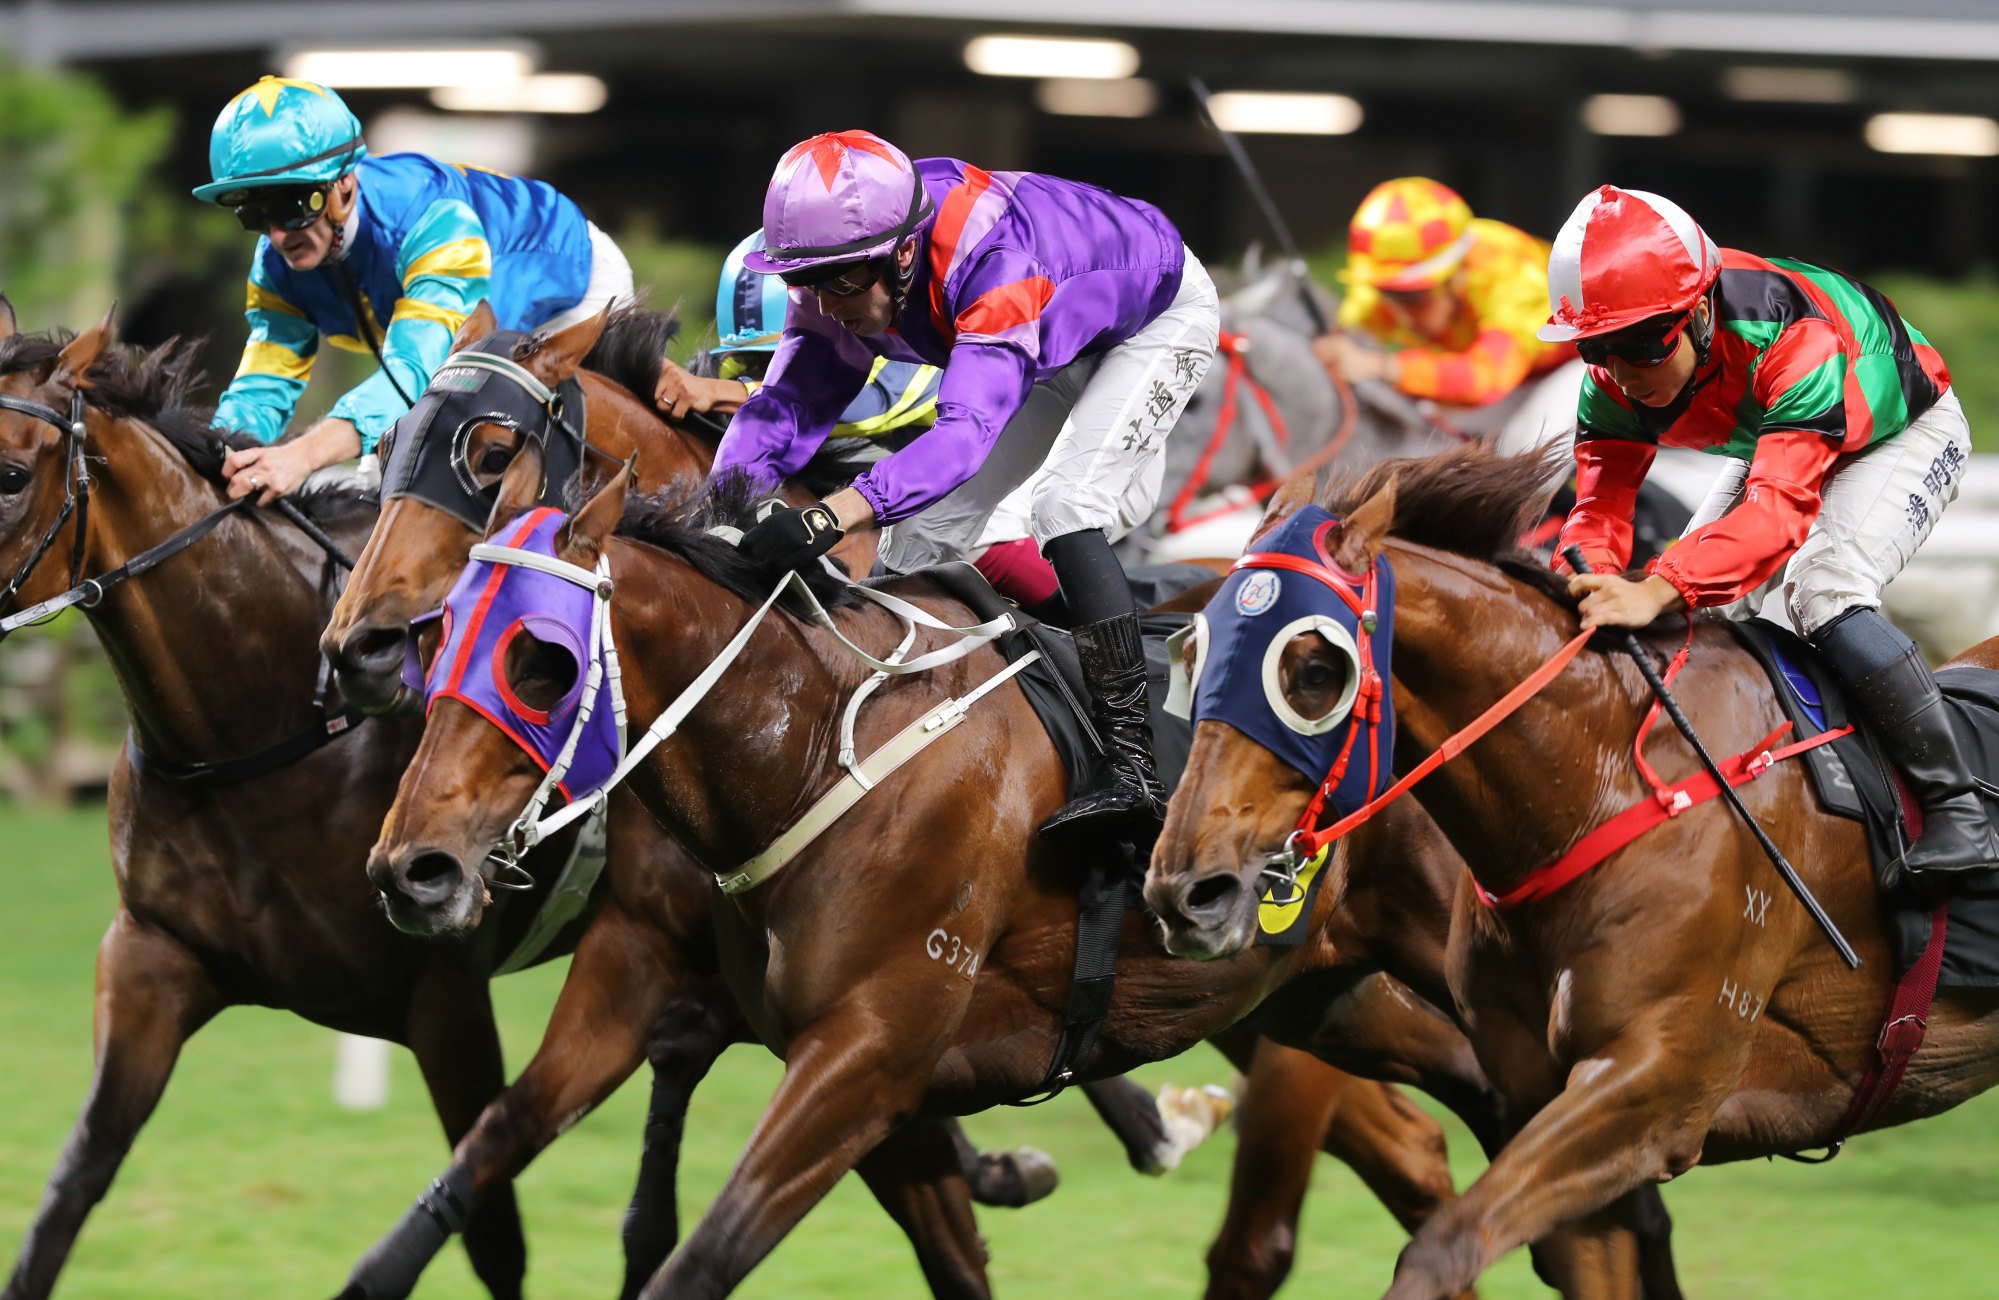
[1853, 778]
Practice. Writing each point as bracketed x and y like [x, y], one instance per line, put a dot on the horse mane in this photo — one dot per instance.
[629, 351]
[159, 387]
[1469, 500]
[680, 527]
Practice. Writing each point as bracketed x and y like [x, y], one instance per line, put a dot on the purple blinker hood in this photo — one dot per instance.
[491, 605]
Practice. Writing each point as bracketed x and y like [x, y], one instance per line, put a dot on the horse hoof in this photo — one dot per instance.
[1190, 1116]
[1015, 1178]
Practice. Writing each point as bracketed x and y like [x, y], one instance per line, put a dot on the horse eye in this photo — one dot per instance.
[14, 480]
[494, 460]
[1316, 677]
[541, 674]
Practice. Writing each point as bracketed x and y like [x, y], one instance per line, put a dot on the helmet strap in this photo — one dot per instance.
[898, 278]
[1700, 329]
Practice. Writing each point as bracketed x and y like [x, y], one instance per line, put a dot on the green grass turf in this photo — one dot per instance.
[250, 1182]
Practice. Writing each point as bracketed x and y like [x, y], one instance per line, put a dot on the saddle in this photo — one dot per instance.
[1852, 778]
[1055, 686]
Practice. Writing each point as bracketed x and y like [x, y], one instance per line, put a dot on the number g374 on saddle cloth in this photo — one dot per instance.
[1236, 647]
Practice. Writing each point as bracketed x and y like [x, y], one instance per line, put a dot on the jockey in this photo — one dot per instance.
[899, 401]
[1847, 443]
[1456, 299]
[350, 241]
[1071, 324]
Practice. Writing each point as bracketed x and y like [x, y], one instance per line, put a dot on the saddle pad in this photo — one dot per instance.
[1852, 778]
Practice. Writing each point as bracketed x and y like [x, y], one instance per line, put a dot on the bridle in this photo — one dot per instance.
[76, 498]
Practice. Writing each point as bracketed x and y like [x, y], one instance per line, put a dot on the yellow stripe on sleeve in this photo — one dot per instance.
[258, 298]
[261, 358]
[461, 259]
[418, 309]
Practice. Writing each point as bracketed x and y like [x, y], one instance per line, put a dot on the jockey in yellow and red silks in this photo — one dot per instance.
[1454, 299]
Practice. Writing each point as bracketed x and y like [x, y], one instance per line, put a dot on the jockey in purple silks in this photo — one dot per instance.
[1072, 326]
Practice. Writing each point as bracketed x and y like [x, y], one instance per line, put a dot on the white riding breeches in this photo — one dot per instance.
[1879, 506]
[1085, 450]
[610, 281]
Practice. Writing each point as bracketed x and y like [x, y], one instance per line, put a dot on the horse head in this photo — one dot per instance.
[444, 464]
[1275, 668]
[506, 673]
[43, 478]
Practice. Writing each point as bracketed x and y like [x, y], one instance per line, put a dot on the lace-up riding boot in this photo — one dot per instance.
[1892, 684]
[1129, 801]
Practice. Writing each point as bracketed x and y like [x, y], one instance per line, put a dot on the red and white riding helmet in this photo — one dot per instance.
[1621, 257]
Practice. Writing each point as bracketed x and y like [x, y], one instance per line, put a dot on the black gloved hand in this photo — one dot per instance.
[791, 537]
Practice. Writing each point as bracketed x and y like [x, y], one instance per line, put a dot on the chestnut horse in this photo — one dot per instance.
[1641, 1019]
[831, 958]
[248, 894]
[650, 941]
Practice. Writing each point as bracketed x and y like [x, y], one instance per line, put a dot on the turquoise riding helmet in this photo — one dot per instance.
[749, 308]
[280, 132]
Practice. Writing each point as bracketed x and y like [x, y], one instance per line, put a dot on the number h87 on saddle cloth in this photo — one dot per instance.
[518, 585]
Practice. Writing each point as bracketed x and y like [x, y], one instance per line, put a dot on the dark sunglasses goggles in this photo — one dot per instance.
[1646, 344]
[840, 280]
[287, 209]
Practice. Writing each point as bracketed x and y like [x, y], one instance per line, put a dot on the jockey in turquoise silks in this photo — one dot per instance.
[385, 256]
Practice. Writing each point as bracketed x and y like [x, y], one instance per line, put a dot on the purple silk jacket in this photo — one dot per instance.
[1017, 275]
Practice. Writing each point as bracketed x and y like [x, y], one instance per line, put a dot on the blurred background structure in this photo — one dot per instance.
[1863, 134]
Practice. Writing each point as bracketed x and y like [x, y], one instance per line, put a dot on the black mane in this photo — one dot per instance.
[630, 349]
[160, 388]
[1469, 500]
[680, 527]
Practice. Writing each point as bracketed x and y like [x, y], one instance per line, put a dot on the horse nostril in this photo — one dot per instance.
[1211, 898]
[374, 646]
[429, 876]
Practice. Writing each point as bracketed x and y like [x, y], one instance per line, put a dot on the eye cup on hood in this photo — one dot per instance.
[556, 650]
[1341, 640]
[1186, 655]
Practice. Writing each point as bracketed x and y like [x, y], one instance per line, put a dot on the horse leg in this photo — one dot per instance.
[1634, 1113]
[457, 1048]
[844, 1088]
[916, 1175]
[152, 995]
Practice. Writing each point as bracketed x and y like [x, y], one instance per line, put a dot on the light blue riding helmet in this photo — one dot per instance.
[281, 132]
[749, 308]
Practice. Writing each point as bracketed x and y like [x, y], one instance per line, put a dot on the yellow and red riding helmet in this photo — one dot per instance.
[1409, 233]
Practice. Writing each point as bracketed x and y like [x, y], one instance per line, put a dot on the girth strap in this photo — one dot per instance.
[1100, 908]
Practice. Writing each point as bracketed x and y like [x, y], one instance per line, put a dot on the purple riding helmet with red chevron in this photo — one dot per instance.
[844, 196]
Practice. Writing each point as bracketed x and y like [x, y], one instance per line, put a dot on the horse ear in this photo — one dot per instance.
[582, 538]
[477, 326]
[1363, 531]
[82, 352]
[8, 326]
[1295, 495]
[561, 354]
[520, 486]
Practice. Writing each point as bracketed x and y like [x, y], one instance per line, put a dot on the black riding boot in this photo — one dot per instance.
[1891, 683]
[1130, 802]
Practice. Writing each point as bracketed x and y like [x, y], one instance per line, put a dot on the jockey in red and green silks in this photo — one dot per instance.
[383, 256]
[1845, 444]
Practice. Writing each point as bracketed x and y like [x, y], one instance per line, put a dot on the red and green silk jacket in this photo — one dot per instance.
[1807, 365]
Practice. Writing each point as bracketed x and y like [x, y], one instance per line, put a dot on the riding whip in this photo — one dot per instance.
[1278, 227]
[1631, 646]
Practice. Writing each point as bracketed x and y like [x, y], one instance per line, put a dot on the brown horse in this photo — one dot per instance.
[1611, 1012]
[652, 935]
[832, 958]
[228, 896]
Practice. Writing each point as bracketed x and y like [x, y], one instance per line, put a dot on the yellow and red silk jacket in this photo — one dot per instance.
[1807, 365]
[1490, 349]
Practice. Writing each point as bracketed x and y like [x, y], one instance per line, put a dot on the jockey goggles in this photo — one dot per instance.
[286, 207]
[840, 280]
[1647, 344]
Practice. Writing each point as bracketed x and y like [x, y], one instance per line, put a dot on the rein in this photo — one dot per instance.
[76, 490]
[531, 827]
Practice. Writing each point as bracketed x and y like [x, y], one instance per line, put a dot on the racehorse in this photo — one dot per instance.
[1640, 1019]
[238, 883]
[651, 936]
[831, 958]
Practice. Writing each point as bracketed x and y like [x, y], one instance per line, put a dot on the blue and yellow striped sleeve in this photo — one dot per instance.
[446, 267]
[277, 361]
[899, 396]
